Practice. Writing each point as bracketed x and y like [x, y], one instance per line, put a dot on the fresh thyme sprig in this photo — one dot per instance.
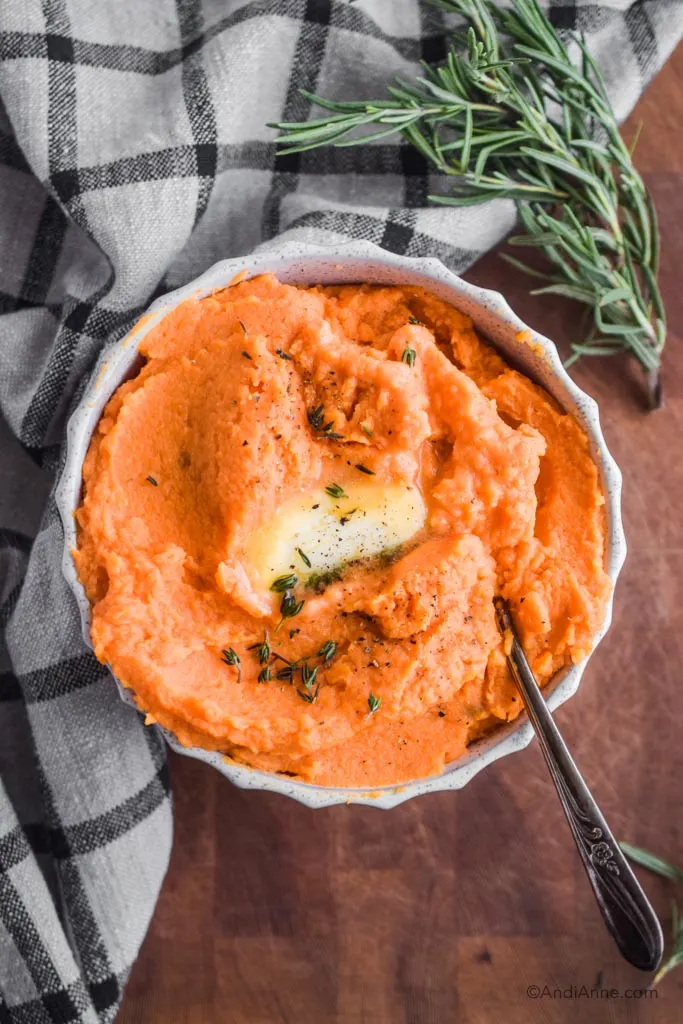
[510, 115]
[311, 686]
[263, 649]
[289, 607]
[327, 651]
[316, 418]
[374, 703]
[230, 657]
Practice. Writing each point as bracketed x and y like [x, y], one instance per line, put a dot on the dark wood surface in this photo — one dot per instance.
[446, 909]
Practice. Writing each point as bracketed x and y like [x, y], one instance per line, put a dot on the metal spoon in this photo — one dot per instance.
[624, 906]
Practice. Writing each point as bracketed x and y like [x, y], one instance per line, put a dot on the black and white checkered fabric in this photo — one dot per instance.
[133, 154]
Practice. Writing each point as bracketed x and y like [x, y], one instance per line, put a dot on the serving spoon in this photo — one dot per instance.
[625, 908]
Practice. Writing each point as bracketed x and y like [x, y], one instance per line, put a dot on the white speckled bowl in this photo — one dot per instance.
[356, 262]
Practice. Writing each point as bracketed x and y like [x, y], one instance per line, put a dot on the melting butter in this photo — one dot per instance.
[332, 531]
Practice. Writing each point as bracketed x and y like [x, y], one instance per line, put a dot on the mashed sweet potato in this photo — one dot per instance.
[263, 393]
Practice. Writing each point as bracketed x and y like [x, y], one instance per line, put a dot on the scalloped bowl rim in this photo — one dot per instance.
[309, 263]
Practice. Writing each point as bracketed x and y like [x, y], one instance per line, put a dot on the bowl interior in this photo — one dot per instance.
[529, 352]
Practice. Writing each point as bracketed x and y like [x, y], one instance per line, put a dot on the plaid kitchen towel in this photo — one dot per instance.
[134, 153]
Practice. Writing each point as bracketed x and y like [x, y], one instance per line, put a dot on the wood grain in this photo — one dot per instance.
[444, 910]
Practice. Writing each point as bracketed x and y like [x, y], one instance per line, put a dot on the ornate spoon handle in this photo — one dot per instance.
[625, 908]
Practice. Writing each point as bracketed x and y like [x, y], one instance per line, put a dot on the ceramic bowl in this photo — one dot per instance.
[533, 354]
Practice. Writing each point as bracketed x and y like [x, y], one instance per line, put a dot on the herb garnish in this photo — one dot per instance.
[264, 675]
[318, 581]
[244, 331]
[283, 355]
[289, 607]
[231, 657]
[335, 491]
[508, 114]
[283, 583]
[304, 558]
[151, 480]
[366, 430]
[387, 556]
[308, 678]
[364, 469]
[374, 704]
[409, 356]
[414, 320]
[316, 418]
[263, 651]
[675, 874]
[327, 651]
[246, 355]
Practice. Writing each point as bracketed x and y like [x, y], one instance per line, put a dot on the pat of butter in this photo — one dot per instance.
[332, 531]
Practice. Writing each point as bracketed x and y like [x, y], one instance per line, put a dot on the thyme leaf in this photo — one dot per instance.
[335, 491]
[304, 558]
[285, 582]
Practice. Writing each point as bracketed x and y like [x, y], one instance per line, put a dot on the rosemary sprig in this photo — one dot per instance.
[653, 863]
[509, 115]
[662, 867]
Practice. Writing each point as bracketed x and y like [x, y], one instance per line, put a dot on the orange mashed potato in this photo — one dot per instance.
[386, 668]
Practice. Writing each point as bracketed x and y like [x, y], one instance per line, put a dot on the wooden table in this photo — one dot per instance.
[446, 909]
